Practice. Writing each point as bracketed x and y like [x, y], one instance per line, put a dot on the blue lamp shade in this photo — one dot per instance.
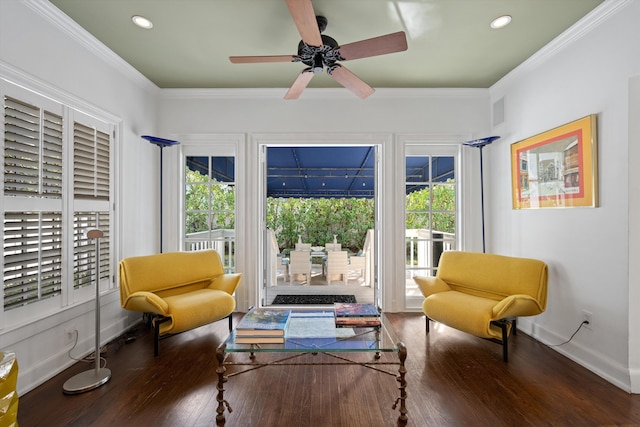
[481, 142]
[160, 142]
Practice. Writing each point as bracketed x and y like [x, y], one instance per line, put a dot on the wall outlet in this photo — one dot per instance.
[70, 334]
[587, 317]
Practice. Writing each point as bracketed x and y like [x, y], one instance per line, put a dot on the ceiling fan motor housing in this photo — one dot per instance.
[318, 57]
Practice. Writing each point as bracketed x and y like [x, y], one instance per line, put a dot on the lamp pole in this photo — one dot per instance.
[162, 143]
[93, 378]
[480, 143]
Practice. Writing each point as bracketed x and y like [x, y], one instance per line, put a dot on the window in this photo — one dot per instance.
[56, 185]
[32, 257]
[430, 214]
[91, 178]
[32, 150]
[210, 206]
[90, 162]
[84, 250]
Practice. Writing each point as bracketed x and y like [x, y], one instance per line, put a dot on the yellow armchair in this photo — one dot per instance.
[482, 294]
[180, 290]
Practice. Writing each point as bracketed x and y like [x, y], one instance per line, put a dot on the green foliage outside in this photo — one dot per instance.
[444, 205]
[203, 197]
[316, 220]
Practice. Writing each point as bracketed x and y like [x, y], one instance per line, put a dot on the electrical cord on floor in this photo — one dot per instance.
[90, 358]
[584, 322]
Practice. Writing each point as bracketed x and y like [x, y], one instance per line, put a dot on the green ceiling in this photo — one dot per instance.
[450, 42]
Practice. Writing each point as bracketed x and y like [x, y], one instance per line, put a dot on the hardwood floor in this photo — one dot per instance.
[453, 379]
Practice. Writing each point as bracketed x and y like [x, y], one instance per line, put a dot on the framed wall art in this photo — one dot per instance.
[557, 168]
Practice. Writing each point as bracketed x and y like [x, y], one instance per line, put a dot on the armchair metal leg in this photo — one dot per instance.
[230, 316]
[427, 323]
[505, 343]
[156, 333]
[504, 326]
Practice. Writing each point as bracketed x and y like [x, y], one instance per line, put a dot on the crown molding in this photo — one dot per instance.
[21, 78]
[61, 21]
[588, 23]
[322, 93]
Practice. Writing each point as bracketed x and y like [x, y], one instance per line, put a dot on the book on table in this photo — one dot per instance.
[357, 323]
[353, 315]
[259, 340]
[356, 310]
[263, 322]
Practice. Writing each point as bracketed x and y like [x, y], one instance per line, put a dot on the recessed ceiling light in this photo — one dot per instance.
[501, 21]
[142, 22]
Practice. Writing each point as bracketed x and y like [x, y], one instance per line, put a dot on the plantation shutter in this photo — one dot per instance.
[90, 162]
[32, 257]
[84, 252]
[32, 150]
[52, 155]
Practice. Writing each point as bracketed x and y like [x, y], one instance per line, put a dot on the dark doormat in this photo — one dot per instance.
[313, 299]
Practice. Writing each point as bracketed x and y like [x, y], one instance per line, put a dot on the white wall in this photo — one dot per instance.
[587, 249]
[51, 59]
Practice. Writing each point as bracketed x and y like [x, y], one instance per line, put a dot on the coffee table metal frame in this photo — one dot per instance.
[375, 340]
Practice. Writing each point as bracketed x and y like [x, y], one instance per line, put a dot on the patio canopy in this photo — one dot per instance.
[342, 171]
[320, 171]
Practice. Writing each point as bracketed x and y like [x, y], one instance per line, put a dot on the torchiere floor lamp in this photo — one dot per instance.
[160, 142]
[480, 143]
[93, 378]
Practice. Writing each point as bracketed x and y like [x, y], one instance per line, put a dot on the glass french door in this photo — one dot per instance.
[210, 206]
[431, 212]
[311, 217]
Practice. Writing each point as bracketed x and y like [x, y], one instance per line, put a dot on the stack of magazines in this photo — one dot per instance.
[353, 315]
[262, 326]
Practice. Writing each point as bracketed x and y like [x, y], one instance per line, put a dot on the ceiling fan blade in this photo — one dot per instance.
[350, 81]
[257, 59]
[390, 43]
[305, 19]
[299, 84]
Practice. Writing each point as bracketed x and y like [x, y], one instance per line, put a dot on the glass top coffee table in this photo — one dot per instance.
[314, 332]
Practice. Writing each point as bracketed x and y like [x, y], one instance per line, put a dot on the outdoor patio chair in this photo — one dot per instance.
[277, 262]
[333, 247]
[303, 246]
[300, 263]
[357, 262]
[337, 263]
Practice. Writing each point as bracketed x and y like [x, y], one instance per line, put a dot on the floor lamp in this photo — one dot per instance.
[480, 143]
[93, 378]
[160, 142]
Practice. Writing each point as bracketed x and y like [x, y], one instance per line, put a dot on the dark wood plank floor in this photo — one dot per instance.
[453, 380]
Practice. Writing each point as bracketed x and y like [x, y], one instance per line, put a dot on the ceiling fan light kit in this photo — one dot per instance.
[319, 52]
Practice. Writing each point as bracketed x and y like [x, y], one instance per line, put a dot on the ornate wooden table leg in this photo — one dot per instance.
[402, 355]
[220, 420]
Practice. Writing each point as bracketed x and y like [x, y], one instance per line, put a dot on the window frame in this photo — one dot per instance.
[211, 145]
[65, 205]
[431, 148]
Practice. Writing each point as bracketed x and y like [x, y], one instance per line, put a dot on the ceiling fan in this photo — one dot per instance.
[318, 51]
